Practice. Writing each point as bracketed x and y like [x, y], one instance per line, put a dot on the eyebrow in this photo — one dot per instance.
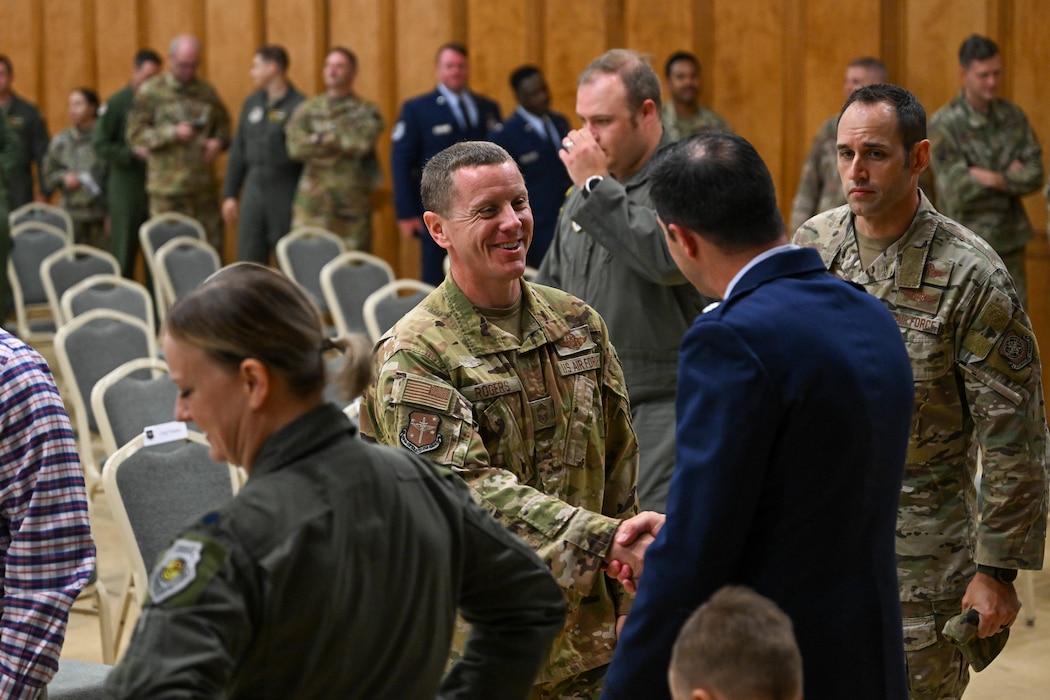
[866, 144]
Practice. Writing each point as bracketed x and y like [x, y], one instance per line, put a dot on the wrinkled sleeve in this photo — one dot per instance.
[1030, 177]
[109, 141]
[572, 541]
[361, 140]
[141, 130]
[1000, 366]
[953, 182]
[221, 124]
[54, 167]
[49, 554]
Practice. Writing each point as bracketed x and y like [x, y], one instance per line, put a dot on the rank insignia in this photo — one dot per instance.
[421, 434]
[1017, 350]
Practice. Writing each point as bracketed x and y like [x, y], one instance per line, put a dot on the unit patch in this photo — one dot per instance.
[421, 434]
[176, 571]
[255, 116]
[1018, 350]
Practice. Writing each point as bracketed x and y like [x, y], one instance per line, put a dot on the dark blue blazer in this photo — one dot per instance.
[794, 411]
[426, 127]
[545, 174]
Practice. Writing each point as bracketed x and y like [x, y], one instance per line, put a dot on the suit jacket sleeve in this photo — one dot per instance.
[714, 495]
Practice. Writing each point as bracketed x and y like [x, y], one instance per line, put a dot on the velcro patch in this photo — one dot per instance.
[176, 571]
[418, 391]
[576, 340]
[1018, 349]
[542, 412]
[421, 434]
[490, 390]
[925, 324]
[576, 365]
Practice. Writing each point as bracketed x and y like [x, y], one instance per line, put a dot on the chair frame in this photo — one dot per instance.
[13, 216]
[92, 475]
[285, 242]
[389, 289]
[335, 308]
[149, 251]
[66, 303]
[161, 277]
[98, 395]
[53, 298]
[23, 311]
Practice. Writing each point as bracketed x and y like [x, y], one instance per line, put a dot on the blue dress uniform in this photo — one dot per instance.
[536, 153]
[426, 126]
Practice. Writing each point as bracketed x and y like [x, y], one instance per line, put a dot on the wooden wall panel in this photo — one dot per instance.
[660, 34]
[20, 31]
[69, 56]
[1027, 56]
[300, 26]
[233, 31]
[575, 33]
[422, 26]
[931, 50]
[117, 28]
[165, 20]
[505, 22]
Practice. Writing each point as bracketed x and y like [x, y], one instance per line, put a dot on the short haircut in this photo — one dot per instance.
[633, 68]
[976, 48]
[5, 61]
[740, 644]
[173, 46]
[451, 46]
[347, 53]
[715, 184]
[680, 56]
[521, 74]
[274, 53]
[873, 64]
[143, 56]
[90, 96]
[438, 186]
[911, 116]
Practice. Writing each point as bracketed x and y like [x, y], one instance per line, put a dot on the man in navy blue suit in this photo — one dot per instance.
[429, 124]
[532, 135]
[794, 411]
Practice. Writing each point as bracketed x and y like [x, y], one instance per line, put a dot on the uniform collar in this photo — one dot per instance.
[304, 435]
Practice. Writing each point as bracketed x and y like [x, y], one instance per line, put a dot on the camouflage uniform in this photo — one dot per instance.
[977, 384]
[820, 187]
[73, 152]
[541, 431]
[679, 127]
[962, 137]
[10, 153]
[178, 178]
[335, 139]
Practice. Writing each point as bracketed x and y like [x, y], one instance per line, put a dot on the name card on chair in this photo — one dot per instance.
[164, 432]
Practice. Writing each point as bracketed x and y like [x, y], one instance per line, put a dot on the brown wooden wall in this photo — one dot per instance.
[773, 68]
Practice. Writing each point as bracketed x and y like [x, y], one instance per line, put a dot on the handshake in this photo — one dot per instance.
[631, 540]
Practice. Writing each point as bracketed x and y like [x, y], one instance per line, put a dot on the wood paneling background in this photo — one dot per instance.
[773, 68]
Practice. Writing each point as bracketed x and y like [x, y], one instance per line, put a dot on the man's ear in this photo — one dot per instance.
[436, 227]
[255, 378]
[684, 238]
[920, 156]
[649, 110]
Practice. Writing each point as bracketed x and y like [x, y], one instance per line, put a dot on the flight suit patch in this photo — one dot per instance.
[579, 364]
[176, 571]
[255, 116]
[576, 340]
[421, 434]
[490, 390]
[277, 115]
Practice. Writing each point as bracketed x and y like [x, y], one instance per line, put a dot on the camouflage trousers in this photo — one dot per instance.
[585, 686]
[202, 206]
[1015, 264]
[355, 229]
[936, 669]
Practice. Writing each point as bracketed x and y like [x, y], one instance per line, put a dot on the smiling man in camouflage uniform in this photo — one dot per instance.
[977, 385]
[985, 157]
[334, 136]
[516, 388]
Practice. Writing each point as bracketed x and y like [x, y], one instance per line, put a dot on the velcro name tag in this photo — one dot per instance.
[576, 365]
[530, 157]
[918, 323]
[490, 390]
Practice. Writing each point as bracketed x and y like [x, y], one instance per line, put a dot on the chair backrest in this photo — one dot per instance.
[108, 292]
[303, 252]
[31, 243]
[346, 282]
[68, 266]
[182, 264]
[154, 494]
[89, 347]
[159, 230]
[385, 306]
[42, 213]
[133, 396]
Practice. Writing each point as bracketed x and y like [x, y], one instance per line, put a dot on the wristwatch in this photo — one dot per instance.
[1000, 575]
[592, 182]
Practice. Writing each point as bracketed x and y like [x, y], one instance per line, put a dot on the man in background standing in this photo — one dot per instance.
[25, 121]
[126, 196]
[179, 118]
[259, 159]
[985, 157]
[429, 124]
[684, 115]
[532, 135]
[334, 136]
[819, 187]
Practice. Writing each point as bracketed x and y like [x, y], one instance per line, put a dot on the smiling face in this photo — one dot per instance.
[487, 232]
[879, 180]
[211, 396]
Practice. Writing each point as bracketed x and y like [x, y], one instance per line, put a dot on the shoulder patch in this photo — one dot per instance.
[398, 131]
[1017, 348]
[176, 571]
[420, 391]
[421, 434]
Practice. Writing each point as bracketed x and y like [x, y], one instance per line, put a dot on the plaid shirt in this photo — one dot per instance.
[46, 551]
